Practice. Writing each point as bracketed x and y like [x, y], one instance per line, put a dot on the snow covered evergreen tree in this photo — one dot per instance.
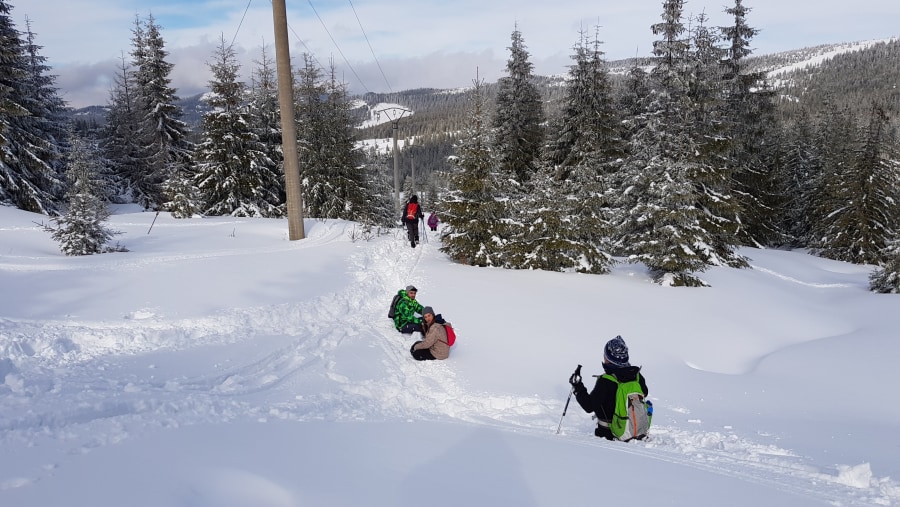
[121, 139]
[81, 230]
[565, 217]
[162, 134]
[517, 119]
[380, 175]
[886, 278]
[265, 120]
[750, 127]
[351, 192]
[31, 123]
[801, 169]
[234, 173]
[588, 123]
[671, 185]
[471, 211]
[705, 127]
[862, 197]
[331, 166]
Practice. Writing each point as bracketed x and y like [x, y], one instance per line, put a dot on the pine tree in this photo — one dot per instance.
[380, 174]
[749, 125]
[351, 193]
[662, 227]
[471, 210]
[588, 123]
[81, 230]
[863, 219]
[162, 131]
[802, 173]
[517, 118]
[122, 142]
[565, 217]
[331, 169]
[705, 126]
[31, 123]
[265, 120]
[886, 278]
[234, 173]
[309, 93]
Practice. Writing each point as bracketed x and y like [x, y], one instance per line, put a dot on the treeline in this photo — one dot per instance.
[674, 162]
[675, 167]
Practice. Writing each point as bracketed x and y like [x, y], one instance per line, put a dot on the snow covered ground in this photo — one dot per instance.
[217, 364]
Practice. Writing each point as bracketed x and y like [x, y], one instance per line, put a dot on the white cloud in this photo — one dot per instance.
[418, 43]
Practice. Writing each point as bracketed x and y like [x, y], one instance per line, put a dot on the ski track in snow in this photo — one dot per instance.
[54, 361]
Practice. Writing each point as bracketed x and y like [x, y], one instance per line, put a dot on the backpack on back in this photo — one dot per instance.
[412, 210]
[633, 414]
[451, 334]
[393, 309]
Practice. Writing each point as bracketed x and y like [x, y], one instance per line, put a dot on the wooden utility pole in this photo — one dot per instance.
[288, 131]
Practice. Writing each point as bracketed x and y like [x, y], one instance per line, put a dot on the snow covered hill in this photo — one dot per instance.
[218, 364]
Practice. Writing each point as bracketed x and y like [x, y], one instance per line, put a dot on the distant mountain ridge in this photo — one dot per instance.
[808, 75]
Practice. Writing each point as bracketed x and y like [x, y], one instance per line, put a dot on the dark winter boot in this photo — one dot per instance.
[412, 244]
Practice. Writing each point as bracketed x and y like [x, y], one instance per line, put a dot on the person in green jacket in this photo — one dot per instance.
[405, 319]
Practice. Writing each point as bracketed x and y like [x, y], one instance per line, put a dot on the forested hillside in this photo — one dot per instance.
[673, 160]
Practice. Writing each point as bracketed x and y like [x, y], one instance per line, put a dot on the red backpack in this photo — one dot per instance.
[451, 334]
[412, 209]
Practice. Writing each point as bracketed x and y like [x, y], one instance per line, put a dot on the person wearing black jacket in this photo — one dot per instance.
[602, 399]
[411, 215]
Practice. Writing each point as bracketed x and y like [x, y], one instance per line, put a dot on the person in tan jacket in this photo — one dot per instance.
[434, 344]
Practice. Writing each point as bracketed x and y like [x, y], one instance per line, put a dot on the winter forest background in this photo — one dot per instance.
[674, 160]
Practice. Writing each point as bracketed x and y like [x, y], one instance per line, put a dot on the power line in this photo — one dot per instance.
[338, 47]
[241, 23]
[370, 46]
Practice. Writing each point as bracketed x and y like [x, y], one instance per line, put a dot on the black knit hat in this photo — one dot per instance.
[414, 198]
[616, 352]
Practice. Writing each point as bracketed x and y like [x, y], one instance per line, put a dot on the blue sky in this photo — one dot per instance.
[417, 43]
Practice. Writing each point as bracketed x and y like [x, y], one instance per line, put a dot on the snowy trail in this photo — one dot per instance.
[268, 362]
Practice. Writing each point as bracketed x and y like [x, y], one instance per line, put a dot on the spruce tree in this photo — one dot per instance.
[163, 132]
[801, 169]
[265, 120]
[749, 122]
[471, 211]
[81, 230]
[517, 119]
[331, 169]
[662, 228]
[565, 217]
[122, 142]
[705, 127]
[863, 218]
[234, 174]
[31, 123]
[309, 95]
[350, 194]
[885, 279]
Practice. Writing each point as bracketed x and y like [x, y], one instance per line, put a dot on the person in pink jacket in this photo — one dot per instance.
[434, 344]
[432, 221]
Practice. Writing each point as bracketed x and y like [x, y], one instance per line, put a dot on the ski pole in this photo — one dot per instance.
[571, 391]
